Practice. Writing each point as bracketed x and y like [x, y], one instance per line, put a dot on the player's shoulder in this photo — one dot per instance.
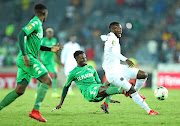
[35, 21]
[72, 72]
[90, 67]
[110, 36]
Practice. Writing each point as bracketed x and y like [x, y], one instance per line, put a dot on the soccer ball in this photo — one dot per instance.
[161, 93]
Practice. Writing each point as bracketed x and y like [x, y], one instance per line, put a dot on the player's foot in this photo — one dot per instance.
[55, 95]
[37, 115]
[152, 112]
[104, 107]
[142, 96]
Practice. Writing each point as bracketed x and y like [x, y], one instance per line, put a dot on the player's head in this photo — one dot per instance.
[80, 58]
[116, 28]
[40, 10]
[73, 38]
[49, 33]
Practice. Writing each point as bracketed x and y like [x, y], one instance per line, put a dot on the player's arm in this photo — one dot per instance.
[116, 53]
[65, 90]
[54, 48]
[22, 39]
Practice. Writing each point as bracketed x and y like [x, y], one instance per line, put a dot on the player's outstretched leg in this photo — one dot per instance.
[9, 98]
[41, 93]
[138, 100]
[121, 82]
[141, 79]
[109, 90]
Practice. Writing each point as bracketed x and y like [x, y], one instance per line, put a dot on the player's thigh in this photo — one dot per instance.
[130, 72]
[92, 92]
[121, 82]
[23, 78]
[36, 68]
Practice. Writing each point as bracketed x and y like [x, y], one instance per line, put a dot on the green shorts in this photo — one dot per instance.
[92, 92]
[51, 67]
[25, 74]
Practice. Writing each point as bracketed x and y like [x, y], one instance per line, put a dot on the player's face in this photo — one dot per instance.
[50, 34]
[45, 15]
[118, 30]
[81, 60]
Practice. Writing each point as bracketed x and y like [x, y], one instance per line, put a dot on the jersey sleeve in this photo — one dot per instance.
[30, 27]
[69, 79]
[96, 76]
[110, 43]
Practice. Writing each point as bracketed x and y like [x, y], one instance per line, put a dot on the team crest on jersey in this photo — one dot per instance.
[113, 42]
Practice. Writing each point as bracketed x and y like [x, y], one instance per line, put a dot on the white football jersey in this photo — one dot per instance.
[112, 52]
[67, 56]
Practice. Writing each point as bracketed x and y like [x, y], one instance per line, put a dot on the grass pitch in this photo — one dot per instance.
[77, 111]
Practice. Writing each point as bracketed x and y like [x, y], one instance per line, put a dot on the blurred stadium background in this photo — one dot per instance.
[150, 34]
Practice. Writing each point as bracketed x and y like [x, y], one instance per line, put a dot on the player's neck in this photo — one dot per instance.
[41, 18]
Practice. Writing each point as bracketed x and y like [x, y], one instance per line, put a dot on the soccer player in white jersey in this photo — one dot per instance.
[67, 56]
[119, 74]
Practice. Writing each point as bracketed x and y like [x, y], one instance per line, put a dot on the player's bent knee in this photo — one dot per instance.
[132, 90]
[20, 91]
[54, 75]
[146, 75]
[48, 81]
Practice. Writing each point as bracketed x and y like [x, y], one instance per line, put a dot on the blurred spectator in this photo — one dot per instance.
[166, 36]
[70, 9]
[169, 19]
[26, 4]
[86, 32]
[90, 52]
[120, 2]
[9, 30]
[159, 10]
[152, 48]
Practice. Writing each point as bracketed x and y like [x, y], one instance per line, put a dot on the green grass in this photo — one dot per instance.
[77, 111]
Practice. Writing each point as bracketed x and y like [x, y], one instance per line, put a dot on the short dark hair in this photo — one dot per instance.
[112, 24]
[39, 8]
[77, 53]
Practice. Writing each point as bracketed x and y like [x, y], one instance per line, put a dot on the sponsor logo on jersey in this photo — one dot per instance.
[78, 72]
[30, 27]
[84, 76]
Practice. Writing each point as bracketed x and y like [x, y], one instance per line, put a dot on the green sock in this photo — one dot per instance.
[113, 90]
[54, 84]
[41, 93]
[8, 99]
[38, 84]
[108, 99]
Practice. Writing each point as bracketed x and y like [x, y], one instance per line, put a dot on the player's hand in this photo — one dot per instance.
[56, 48]
[130, 63]
[113, 101]
[26, 60]
[57, 107]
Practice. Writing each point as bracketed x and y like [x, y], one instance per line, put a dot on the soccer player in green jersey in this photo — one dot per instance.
[29, 66]
[47, 59]
[88, 82]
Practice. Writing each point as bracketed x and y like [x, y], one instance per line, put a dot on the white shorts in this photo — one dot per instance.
[121, 75]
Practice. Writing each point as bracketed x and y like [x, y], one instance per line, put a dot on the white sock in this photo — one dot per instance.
[135, 96]
[139, 84]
